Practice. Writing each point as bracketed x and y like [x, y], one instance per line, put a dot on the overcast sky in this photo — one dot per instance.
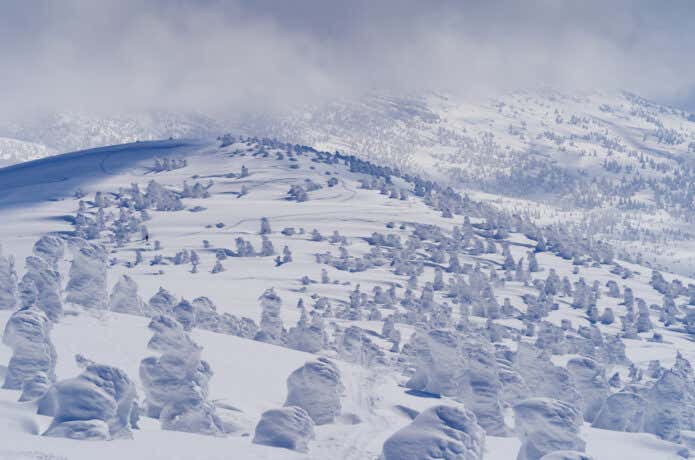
[256, 54]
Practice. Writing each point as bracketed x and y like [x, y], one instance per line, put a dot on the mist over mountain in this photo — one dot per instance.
[393, 230]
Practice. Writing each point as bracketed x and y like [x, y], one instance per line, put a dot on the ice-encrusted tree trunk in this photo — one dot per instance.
[8, 282]
[87, 282]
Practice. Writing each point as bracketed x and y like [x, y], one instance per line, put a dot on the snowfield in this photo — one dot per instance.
[418, 296]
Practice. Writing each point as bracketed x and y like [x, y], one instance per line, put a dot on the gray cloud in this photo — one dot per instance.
[241, 55]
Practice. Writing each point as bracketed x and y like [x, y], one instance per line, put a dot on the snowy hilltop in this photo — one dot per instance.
[611, 164]
[249, 298]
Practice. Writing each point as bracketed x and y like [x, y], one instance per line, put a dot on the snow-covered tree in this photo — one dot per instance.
[286, 255]
[265, 226]
[99, 404]
[40, 286]
[267, 248]
[27, 333]
[316, 387]
[87, 282]
[272, 329]
[124, 297]
[8, 282]
[176, 382]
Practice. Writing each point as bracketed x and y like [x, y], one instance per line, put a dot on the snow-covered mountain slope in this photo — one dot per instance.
[69, 131]
[420, 298]
[13, 151]
[616, 165]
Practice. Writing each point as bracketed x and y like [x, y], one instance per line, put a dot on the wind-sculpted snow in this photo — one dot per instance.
[33, 360]
[316, 387]
[288, 427]
[102, 396]
[547, 425]
[438, 432]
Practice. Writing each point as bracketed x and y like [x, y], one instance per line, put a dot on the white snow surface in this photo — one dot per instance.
[37, 198]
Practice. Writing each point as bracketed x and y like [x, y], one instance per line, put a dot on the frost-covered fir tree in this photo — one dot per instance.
[217, 268]
[162, 303]
[87, 282]
[8, 282]
[124, 297]
[265, 226]
[51, 249]
[643, 323]
[40, 285]
[33, 360]
[316, 387]
[462, 367]
[267, 248]
[272, 329]
[176, 382]
[286, 255]
[99, 404]
[438, 283]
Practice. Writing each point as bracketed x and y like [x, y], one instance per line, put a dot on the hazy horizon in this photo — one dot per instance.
[213, 56]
